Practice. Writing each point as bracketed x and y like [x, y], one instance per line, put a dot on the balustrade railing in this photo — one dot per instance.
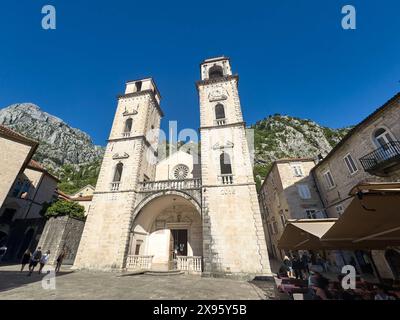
[220, 122]
[115, 186]
[189, 264]
[126, 134]
[387, 152]
[171, 184]
[139, 262]
[226, 178]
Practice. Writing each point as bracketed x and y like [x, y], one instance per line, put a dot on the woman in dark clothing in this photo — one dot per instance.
[25, 259]
[297, 267]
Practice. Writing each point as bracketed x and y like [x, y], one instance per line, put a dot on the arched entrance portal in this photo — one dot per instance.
[167, 234]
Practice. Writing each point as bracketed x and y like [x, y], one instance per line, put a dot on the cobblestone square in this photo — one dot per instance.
[83, 285]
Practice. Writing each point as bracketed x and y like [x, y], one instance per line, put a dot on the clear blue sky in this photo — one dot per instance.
[293, 57]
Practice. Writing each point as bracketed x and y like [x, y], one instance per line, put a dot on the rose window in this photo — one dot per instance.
[181, 172]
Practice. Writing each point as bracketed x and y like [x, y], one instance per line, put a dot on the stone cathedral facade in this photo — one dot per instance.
[198, 214]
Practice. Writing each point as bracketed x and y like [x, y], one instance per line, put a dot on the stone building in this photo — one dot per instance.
[86, 191]
[21, 210]
[370, 152]
[196, 215]
[288, 192]
[84, 197]
[16, 152]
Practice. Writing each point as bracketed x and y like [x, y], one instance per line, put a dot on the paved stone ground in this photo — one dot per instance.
[84, 285]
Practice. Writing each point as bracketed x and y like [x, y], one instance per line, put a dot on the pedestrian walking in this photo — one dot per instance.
[25, 259]
[305, 261]
[35, 259]
[43, 260]
[3, 251]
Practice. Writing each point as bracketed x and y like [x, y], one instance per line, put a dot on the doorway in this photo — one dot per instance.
[179, 243]
[26, 243]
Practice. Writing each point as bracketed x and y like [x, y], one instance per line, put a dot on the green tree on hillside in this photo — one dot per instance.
[64, 208]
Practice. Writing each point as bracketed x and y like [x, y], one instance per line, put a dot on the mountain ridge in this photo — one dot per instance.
[70, 153]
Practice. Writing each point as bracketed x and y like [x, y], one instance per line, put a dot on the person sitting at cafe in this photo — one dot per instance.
[321, 287]
[381, 294]
[297, 268]
[288, 263]
[283, 271]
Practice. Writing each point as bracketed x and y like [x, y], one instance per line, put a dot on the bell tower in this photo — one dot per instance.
[234, 242]
[128, 160]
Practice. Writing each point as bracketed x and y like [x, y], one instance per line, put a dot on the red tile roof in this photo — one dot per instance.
[37, 166]
[293, 159]
[85, 198]
[16, 136]
[62, 195]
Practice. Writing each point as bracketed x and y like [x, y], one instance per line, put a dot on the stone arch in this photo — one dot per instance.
[220, 111]
[381, 131]
[157, 224]
[153, 196]
[216, 71]
[128, 125]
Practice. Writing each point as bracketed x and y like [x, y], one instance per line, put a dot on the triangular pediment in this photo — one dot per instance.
[227, 145]
[120, 156]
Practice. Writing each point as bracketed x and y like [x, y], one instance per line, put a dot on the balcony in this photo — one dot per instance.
[226, 178]
[187, 184]
[126, 134]
[115, 186]
[383, 160]
[220, 122]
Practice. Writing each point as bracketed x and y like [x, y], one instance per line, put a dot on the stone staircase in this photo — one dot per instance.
[164, 273]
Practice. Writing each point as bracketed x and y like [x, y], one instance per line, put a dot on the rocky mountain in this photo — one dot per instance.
[281, 136]
[70, 153]
[60, 144]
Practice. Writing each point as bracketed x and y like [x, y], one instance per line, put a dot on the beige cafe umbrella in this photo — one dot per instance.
[305, 234]
[371, 221]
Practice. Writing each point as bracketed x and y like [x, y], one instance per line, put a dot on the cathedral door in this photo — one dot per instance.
[180, 238]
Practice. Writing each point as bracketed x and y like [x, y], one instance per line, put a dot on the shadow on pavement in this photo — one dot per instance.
[13, 279]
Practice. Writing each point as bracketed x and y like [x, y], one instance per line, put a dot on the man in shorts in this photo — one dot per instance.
[36, 256]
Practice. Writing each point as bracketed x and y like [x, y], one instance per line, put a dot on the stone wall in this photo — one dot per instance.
[12, 157]
[59, 233]
[282, 199]
[24, 234]
[358, 145]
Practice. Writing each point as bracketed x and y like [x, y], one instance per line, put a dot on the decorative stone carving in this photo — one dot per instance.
[117, 156]
[181, 171]
[228, 145]
[218, 94]
[127, 113]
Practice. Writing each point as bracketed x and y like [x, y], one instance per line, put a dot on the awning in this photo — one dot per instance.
[305, 234]
[376, 187]
[371, 221]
